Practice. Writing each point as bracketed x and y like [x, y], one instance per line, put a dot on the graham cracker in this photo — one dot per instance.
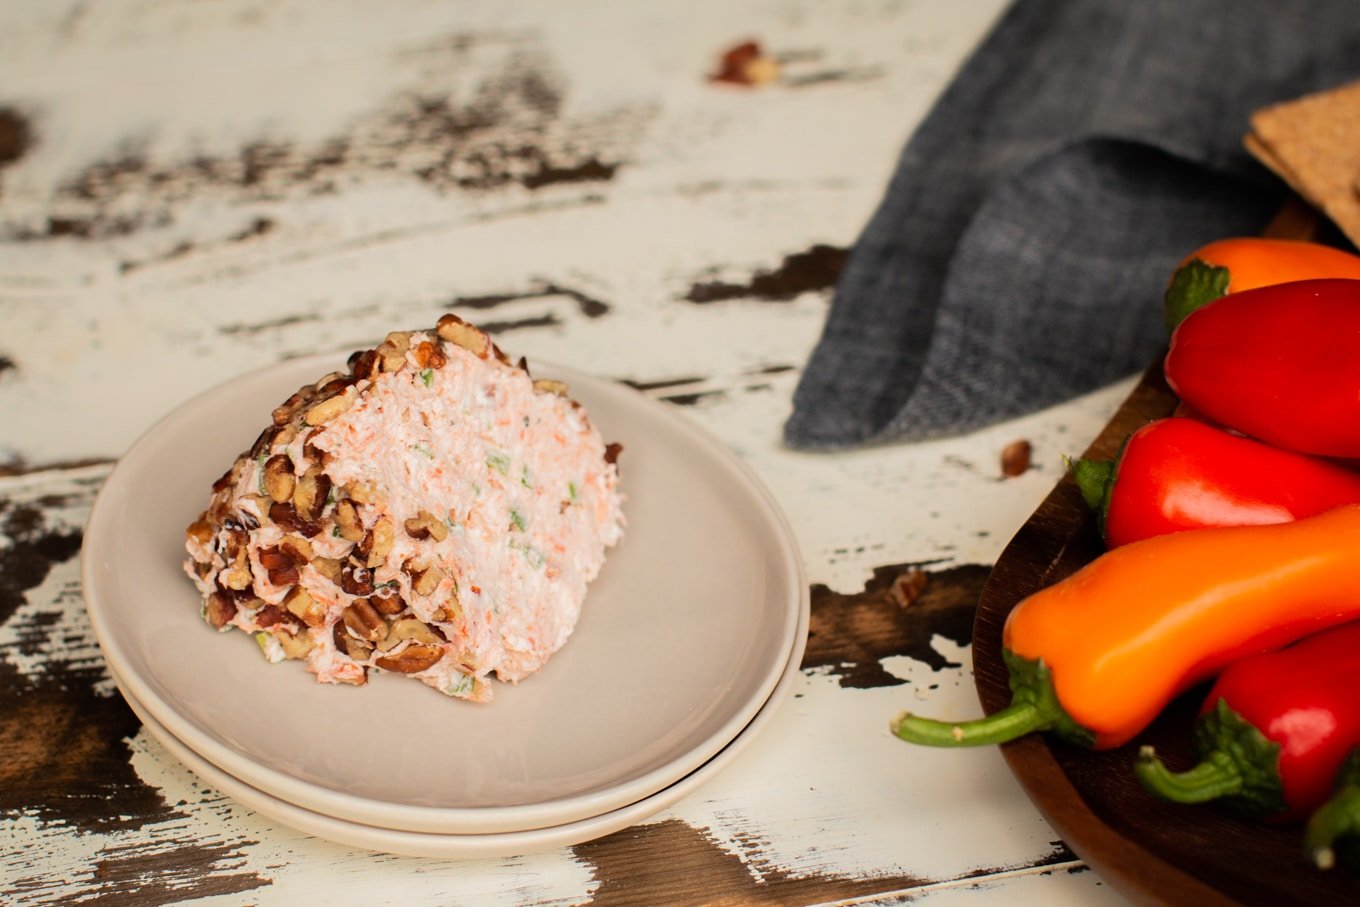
[1313, 144]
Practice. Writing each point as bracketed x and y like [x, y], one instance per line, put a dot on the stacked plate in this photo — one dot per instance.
[689, 638]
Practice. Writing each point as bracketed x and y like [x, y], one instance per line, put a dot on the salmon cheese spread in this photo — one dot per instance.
[434, 512]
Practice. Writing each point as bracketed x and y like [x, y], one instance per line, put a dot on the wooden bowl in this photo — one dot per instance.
[1152, 852]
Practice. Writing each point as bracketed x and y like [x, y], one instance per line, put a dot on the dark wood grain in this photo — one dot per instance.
[1153, 852]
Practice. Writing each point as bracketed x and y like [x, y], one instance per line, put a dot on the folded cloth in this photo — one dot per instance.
[1020, 253]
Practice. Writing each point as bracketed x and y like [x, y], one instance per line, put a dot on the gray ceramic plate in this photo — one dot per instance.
[473, 846]
[684, 635]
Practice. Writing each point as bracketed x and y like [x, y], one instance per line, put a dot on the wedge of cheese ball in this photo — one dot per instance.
[435, 512]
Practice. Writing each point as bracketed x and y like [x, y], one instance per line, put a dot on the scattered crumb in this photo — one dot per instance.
[746, 64]
[1015, 458]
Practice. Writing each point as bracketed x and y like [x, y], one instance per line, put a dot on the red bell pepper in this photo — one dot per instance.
[1279, 363]
[1180, 473]
[1245, 263]
[1273, 730]
[1334, 829]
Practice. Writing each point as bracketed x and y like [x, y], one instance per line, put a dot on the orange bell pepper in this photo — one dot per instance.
[1096, 656]
[1233, 265]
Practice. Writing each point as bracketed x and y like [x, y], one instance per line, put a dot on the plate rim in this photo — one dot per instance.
[481, 845]
[452, 819]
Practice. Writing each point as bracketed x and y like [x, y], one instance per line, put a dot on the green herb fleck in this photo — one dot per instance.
[462, 686]
[427, 376]
[335, 532]
[524, 478]
[518, 519]
[571, 491]
[420, 449]
[498, 461]
[260, 461]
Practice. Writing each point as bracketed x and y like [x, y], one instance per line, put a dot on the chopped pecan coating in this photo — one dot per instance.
[549, 386]
[299, 602]
[377, 543]
[386, 599]
[356, 579]
[412, 659]
[309, 497]
[429, 355]
[219, 609]
[347, 518]
[364, 622]
[329, 408]
[286, 517]
[279, 480]
[458, 332]
[426, 525]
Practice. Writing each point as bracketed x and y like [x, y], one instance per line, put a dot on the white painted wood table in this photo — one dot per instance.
[191, 191]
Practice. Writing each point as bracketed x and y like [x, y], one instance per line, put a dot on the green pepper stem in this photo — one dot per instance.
[1015, 720]
[1217, 775]
[1195, 284]
[1093, 479]
[1338, 817]
[1034, 706]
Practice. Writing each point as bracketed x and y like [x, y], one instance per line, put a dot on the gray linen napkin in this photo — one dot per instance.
[1020, 252]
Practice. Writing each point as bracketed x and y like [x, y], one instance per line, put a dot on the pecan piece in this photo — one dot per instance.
[347, 519]
[364, 622]
[356, 579]
[365, 364]
[362, 492]
[377, 543]
[286, 517]
[264, 441]
[549, 386]
[334, 383]
[426, 525]
[219, 609]
[295, 645]
[300, 603]
[237, 577]
[458, 332]
[386, 599]
[285, 411]
[428, 355]
[298, 548]
[279, 480]
[328, 409]
[611, 452]
[452, 609]
[392, 351]
[200, 530]
[356, 649]
[328, 567]
[425, 576]
[269, 616]
[234, 539]
[280, 566]
[408, 628]
[311, 492]
[224, 481]
[411, 660]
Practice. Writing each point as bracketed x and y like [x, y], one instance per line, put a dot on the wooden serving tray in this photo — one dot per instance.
[1152, 852]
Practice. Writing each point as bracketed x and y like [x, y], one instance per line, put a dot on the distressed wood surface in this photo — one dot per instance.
[190, 191]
